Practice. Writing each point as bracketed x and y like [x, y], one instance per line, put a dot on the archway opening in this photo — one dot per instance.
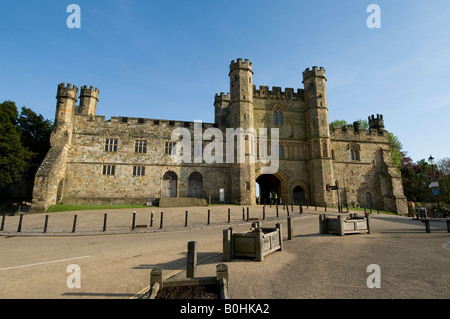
[269, 188]
[298, 194]
[195, 185]
[169, 185]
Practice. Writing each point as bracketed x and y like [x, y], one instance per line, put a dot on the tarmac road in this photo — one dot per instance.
[413, 263]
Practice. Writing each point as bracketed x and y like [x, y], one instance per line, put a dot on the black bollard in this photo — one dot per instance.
[74, 227]
[277, 210]
[104, 222]
[248, 215]
[3, 222]
[209, 216]
[45, 223]
[243, 213]
[229, 215]
[264, 212]
[151, 219]
[325, 206]
[161, 222]
[186, 219]
[133, 223]
[19, 228]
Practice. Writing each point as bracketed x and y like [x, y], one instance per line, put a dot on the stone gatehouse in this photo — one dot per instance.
[125, 160]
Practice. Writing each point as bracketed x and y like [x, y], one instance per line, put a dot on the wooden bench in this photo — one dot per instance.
[426, 221]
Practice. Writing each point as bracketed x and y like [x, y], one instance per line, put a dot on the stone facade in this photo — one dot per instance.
[126, 160]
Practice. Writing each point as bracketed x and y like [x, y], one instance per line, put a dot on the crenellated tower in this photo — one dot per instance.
[240, 116]
[89, 100]
[318, 135]
[66, 99]
[221, 108]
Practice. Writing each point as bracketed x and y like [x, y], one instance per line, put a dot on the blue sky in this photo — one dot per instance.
[167, 59]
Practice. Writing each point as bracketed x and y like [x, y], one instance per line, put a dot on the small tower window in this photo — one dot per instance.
[277, 116]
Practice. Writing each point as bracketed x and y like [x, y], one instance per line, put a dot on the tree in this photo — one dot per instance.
[337, 124]
[35, 133]
[14, 157]
[443, 167]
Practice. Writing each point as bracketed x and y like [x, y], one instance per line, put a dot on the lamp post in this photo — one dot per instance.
[433, 177]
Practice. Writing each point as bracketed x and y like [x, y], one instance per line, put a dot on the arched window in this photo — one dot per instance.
[277, 116]
[354, 152]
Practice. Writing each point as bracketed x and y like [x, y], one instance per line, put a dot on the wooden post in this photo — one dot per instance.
[227, 238]
[323, 229]
[259, 244]
[280, 234]
[427, 225]
[340, 225]
[191, 259]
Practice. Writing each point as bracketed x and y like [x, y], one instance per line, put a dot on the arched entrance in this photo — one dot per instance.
[368, 200]
[169, 184]
[298, 194]
[267, 184]
[195, 185]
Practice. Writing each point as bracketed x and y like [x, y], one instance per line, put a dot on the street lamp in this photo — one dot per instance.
[430, 160]
[433, 177]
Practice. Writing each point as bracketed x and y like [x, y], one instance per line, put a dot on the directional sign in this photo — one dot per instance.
[435, 191]
[434, 184]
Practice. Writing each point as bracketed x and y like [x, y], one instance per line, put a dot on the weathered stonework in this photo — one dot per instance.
[76, 169]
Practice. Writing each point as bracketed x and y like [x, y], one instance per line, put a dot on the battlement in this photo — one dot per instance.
[352, 132]
[376, 122]
[314, 72]
[68, 90]
[277, 92]
[222, 97]
[91, 91]
[239, 64]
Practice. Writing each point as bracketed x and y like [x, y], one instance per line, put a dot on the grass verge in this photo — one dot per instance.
[68, 207]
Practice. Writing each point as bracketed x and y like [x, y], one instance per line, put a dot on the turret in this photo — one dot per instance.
[241, 93]
[241, 116]
[318, 134]
[376, 123]
[66, 98]
[221, 107]
[88, 100]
